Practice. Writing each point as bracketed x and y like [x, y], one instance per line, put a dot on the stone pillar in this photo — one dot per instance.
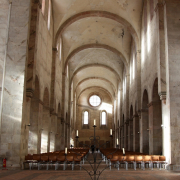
[126, 134]
[138, 78]
[161, 58]
[144, 131]
[130, 135]
[40, 126]
[136, 139]
[12, 120]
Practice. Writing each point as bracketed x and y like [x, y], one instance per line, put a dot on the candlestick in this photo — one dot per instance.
[123, 151]
[110, 131]
[94, 122]
[117, 142]
[66, 150]
[77, 133]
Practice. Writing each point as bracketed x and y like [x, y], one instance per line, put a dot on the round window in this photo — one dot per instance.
[95, 100]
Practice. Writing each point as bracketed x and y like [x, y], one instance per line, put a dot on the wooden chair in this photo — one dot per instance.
[77, 160]
[28, 160]
[36, 160]
[139, 161]
[52, 161]
[147, 160]
[162, 160]
[61, 159]
[155, 160]
[130, 160]
[70, 160]
[122, 160]
[44, 160]
[113, 159]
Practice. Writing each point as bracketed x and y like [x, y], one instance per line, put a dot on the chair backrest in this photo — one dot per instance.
[162, 158]
[138, 158]
[70, 158]
[147, 158]
[130, 158]
[122, 158]
[53, 158]
[28, 157]
[44, 158]
[155, 158]
[36, 157]
[114, 158]
[61, 158]
[77, 158]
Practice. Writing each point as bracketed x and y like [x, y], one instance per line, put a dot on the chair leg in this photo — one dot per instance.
[126, 165]
[110, 165]
[134, 163]
[80, 164]
[64, 165]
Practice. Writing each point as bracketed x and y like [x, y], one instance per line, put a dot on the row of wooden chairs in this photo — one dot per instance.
[141, 160]
[56, 158]
[116, 157]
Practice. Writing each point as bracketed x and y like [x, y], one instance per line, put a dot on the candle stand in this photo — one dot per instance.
[95, 163]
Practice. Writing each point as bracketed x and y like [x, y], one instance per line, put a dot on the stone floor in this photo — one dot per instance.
[78, 174]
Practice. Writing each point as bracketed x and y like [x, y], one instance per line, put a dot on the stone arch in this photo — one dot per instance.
[91, 65]
[145, 124]
[103, 79]
[95, 87]
[155, 117]
[104, 14]
[34, 115]
[45, 123]
[87, 46]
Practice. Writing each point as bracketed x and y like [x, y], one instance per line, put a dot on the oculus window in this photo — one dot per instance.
[95, 100]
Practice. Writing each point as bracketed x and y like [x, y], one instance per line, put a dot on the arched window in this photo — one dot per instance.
[49, 15]
[43, 6]
[103, 118]
[86, 117]
[60, 49]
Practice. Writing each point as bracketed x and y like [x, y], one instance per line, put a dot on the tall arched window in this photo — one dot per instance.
[49, 15]
[60, 49]
[43, 6]
[103, 118]
[86, 117]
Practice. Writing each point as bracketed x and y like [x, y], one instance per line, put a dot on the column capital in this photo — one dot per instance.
[160, 4]
[162, 95]
[29, 92]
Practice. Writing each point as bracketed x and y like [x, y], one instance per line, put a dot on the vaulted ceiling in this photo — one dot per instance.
[97, 37]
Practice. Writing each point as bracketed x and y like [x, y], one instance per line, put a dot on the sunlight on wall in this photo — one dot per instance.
[166, 139]
[148, 38]
[52, 142]
[106, 107]
[142, 49]
[44, 141]
[133, 67]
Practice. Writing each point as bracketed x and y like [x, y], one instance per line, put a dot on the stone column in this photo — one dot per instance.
[40, 126]
[126, 134]
[12, 119]
[136, 139]
[144, 131]
[130, 135]
[161, 58]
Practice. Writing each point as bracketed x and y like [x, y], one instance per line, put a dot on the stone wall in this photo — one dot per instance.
[173, 98]
[14, 83]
